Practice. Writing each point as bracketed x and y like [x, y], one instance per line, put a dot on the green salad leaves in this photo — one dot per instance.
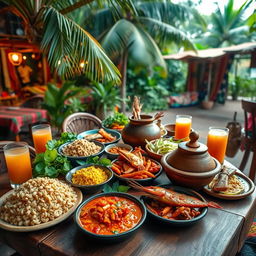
[117, 118]
[50, 163]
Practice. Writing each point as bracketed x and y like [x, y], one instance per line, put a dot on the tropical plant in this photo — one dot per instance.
[227, 26]
[105, 98]
[138, 37]
[48, 23]
[154, 95]
[60, 102]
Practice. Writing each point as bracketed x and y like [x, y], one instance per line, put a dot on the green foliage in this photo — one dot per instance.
[105, 98]
[57, 102]
[95, 160]
[116, 118]
[154, 96]
[50, 163]
[115, 188]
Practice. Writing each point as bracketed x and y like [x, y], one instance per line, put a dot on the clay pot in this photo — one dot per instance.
[137, 131]
[191, 165]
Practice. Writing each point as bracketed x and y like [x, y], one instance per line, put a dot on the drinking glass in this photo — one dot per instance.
[217, 142]
[41, 135]
[182, 127]
[18, 163]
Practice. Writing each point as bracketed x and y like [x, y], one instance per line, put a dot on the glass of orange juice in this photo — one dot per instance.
[182, 127]
[41, 135]
[217, 142]
[18, 163]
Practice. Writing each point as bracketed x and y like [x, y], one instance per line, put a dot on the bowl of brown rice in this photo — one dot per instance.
[90, 178]
[81, 149]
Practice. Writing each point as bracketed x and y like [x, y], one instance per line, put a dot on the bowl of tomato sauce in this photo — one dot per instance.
[110, 216]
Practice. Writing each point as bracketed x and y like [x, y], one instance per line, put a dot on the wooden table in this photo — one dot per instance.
[13, 118]
[221, 232]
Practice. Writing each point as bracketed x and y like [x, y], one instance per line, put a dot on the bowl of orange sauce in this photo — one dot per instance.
[110, 216]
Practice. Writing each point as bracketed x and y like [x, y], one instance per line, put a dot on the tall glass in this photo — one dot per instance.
[18, 163]
[217, 142]
[41, 135]
[182, 127]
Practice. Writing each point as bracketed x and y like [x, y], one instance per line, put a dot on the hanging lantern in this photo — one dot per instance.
[15, 58]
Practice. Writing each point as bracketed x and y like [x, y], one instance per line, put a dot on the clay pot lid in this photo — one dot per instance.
[192, 156]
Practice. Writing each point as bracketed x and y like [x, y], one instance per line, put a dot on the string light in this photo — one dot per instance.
[15, 58]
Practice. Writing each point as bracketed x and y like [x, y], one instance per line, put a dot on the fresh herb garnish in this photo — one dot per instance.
[115, 188]
[117, 118]
[114, 231]
[95, 160]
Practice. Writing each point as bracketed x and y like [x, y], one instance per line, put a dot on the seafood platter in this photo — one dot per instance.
[122, 184]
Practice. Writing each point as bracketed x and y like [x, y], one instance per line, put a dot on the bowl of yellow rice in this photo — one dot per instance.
[89, 177]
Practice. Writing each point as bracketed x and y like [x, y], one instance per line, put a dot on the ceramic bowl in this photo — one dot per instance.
[173, 222]
[112, 132]
[89, 188]
[152, 154]
[170, 128]
[114, 237]
[83, 158]
[107, 128]
[141, 181]
[112, 156]
[195, 180]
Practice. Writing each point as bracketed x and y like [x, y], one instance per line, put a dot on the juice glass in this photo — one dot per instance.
[182, 127]
[18, 163]
[217, 142]
[41, 135]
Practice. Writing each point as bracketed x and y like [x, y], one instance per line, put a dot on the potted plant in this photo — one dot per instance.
[61, 102]
[105, 99]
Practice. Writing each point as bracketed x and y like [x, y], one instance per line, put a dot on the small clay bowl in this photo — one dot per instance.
[170, 128]
[121, 145]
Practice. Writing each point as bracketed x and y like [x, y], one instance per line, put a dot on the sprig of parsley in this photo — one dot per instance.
[95, 160]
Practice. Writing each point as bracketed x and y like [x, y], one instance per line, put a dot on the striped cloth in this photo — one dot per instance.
[14, 118]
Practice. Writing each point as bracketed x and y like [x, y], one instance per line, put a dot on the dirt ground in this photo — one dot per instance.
[202, 119]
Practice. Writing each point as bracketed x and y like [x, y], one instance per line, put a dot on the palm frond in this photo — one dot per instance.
[125, 36]
[167, 32]
[163, 11]
[67, 45]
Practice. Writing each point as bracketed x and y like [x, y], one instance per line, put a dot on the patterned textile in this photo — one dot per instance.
[14, 118]
[198, 77]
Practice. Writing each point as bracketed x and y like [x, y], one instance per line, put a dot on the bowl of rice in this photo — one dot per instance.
[81, 149]
[90, 178]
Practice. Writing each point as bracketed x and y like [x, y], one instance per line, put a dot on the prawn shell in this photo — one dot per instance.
[181, 223]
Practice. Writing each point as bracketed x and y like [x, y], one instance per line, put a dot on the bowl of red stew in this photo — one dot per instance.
[182, 215]
[110, 216]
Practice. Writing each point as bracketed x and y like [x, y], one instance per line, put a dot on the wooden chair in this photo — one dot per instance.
[33, 102]
[80, 122]
[3, 167]
[249, 136]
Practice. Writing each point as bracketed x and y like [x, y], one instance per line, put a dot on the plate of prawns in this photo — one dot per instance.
[135, 166]
[173, 205]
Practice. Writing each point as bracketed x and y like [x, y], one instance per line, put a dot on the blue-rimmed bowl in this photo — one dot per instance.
[174, 222]
[89, 188]
[114, 237]
[83, 158]
[94, 131]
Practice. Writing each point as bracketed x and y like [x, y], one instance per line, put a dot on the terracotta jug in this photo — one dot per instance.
[137, 131]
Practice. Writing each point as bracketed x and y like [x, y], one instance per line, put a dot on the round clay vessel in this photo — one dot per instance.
[137, 131]
[191, 165]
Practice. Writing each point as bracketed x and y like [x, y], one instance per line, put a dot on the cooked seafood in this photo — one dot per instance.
[171, 197]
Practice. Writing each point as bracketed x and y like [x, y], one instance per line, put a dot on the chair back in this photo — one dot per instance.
[33, 102]
[3, 167]
[80, 122]
[249, 108]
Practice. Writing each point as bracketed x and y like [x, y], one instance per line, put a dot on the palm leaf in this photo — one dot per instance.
[166, 32]
[67, 45]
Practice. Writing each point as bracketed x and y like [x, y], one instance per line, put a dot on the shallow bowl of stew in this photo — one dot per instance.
[90, 135]
[110, 216]
[172, 215]
[112, 152]
[80, 179]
